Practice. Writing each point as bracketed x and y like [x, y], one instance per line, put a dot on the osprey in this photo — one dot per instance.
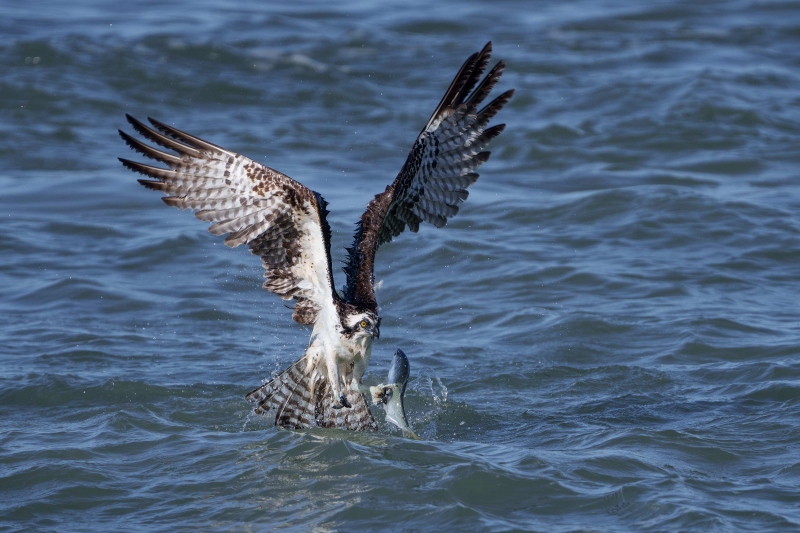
[285, 224]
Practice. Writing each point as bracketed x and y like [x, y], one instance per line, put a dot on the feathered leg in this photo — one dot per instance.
[335, 380]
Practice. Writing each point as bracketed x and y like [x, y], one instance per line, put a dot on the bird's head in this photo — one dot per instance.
[390, 396]
[362, 324]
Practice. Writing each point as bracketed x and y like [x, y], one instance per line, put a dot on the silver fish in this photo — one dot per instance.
[390, 395]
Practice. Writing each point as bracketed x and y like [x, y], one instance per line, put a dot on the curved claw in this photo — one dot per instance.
[342, 402]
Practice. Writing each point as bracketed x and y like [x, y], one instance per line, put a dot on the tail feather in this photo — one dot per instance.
[295, 391]
[296, 404]
[358, 417]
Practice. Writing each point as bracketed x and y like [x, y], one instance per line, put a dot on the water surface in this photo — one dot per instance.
[606, 338]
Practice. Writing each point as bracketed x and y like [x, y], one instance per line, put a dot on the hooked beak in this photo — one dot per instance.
[391, 397]
[376, 330]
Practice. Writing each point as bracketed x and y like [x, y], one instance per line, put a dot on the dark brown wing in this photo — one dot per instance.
[279, 219]
[433, 182]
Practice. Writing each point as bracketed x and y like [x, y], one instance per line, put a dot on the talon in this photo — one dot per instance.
[343, 401]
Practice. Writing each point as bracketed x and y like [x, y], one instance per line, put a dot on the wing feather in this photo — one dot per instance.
[279, 219]
[433, 182]
[161, 140]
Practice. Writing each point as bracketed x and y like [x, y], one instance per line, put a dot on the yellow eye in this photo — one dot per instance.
[363, 323]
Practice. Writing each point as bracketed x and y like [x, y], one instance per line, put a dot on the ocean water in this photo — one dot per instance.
[606, 338]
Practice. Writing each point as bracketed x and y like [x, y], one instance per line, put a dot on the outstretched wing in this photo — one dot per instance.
[279, 219]
[433, 182]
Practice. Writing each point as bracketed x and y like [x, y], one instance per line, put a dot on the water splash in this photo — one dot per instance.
[427, 380]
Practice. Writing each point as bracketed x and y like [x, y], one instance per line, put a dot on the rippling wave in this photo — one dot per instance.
[606, 338]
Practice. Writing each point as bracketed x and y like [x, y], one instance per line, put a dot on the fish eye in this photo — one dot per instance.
[363, 324]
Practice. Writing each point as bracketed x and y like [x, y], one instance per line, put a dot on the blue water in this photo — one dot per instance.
[606, 338]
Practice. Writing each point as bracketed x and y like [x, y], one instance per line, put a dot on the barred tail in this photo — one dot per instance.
[300, 398]
[287, 397]
[358, 417]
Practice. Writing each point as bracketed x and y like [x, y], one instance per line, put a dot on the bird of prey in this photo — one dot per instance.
[285, 224]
